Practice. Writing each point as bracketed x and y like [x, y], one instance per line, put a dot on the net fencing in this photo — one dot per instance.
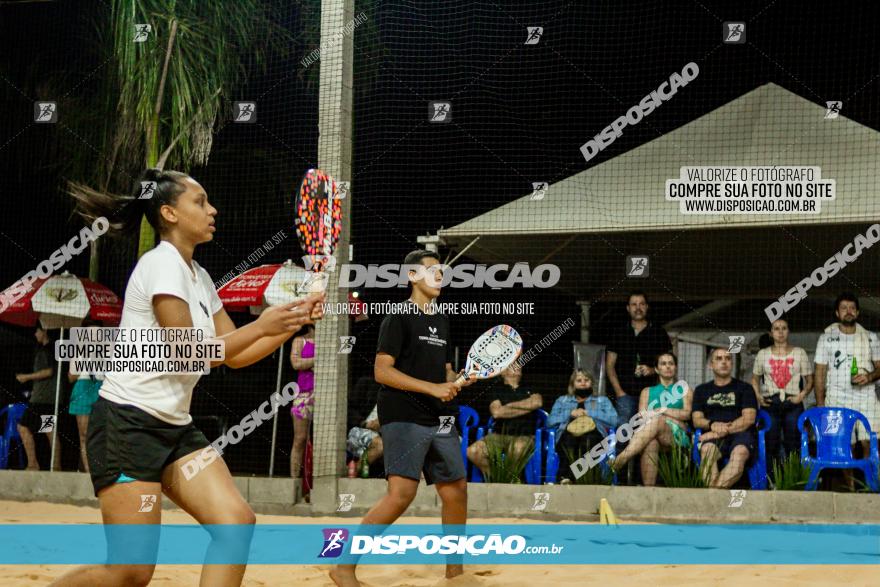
[719, 164]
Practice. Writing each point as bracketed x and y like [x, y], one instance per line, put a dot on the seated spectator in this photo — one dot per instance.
[659, 431]
[365, 437]
[512, 406]
[581, 419]
[780, 368]
[41, 402]
[725, 409]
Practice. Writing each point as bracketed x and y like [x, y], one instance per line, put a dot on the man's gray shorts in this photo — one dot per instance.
[411, 449]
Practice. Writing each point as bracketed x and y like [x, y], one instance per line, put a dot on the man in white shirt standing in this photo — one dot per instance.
[847, 365]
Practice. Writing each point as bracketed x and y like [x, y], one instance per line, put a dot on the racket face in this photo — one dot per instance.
[494, 351]
[318, 217]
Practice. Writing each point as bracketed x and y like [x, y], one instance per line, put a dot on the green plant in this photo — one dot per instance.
[789, 474]
[505, 464]
[161, 101]
[598, 475]
[676, 469]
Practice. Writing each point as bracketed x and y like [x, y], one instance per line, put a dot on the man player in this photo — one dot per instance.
[414, 366]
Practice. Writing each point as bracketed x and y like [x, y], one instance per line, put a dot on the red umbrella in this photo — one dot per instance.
[63, 301]
[271, 285]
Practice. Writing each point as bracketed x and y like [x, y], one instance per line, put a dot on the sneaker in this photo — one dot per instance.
[565, 482]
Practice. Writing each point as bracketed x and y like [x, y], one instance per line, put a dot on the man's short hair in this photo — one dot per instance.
[636, 292]
[415, 257]
[715, 350]
[846, 296]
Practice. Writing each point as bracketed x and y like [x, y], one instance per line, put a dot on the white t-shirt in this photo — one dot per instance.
[163, 271]
[98, 375]
[835, 349]
[782, 374]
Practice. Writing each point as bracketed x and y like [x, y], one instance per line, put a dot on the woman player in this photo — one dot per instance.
[141, 431]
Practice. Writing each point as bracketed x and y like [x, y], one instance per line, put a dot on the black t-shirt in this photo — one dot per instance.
[641, 349]
[521, 425]
[724, 404]
[421, 348]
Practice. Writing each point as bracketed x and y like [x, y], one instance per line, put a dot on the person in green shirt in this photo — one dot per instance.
[660, 430]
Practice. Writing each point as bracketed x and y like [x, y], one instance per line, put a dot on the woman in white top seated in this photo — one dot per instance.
[141, 433]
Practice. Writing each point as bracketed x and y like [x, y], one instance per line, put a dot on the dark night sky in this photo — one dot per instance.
[519, 113]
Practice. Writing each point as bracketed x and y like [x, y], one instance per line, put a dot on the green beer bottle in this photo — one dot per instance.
[854, 370]
[364, 465]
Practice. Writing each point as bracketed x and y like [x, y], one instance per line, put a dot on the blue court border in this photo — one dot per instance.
[583, 544]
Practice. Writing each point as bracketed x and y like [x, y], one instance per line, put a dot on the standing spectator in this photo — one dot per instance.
[844, 347]
[780, 367]
[631, 354]
[581, 419]
[664, 430]
[41, 402]
[512, 406]
[82, 398]
[302, 358]
[725, 408]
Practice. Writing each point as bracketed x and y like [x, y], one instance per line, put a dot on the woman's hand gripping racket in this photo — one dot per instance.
[492, 353]
[318, 226]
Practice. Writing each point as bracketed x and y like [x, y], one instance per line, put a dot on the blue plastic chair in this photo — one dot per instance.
[534, 467]
[758, 471]
[468, 418]
[833, 428]
[10, 432]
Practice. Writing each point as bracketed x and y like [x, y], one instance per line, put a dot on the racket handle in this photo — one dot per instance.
[461, 379]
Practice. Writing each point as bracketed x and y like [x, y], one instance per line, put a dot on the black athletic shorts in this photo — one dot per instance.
[412, 449]
[31, 419]
[127, 444]
[726, 445]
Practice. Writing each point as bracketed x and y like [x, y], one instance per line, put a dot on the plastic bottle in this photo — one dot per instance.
[352, 469]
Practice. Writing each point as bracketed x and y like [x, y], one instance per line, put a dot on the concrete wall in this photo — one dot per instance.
[567, 502]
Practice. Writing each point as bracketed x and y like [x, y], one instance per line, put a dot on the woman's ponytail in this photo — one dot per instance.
[153, 189]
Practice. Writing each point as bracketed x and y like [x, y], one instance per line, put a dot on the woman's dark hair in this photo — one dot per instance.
[670, 353]
[765, 341]
[155, 188]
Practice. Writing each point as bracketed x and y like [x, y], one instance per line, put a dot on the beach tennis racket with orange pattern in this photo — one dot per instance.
[492, 353]
[318, 225]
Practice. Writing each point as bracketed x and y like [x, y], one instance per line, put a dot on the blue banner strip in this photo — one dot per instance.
[568, 544]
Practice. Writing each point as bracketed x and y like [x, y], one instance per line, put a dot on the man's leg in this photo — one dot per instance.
[453, 496]
[739, 456]
[401, 492]
[478, 454]
[30, 449]
[374, 451]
